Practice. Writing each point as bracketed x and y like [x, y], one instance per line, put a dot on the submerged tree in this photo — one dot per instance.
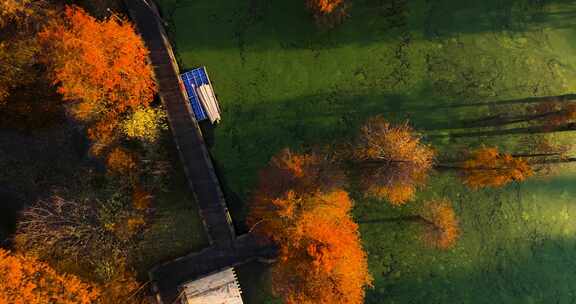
[549, 113]
[441, 227]
[100, 65]
[487, 167]
[438, 221]
[392, 160]
[26, 280]
[321, 258]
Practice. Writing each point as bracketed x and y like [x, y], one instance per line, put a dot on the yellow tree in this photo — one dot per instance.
[487, 167]
[25, 280]
[321, 258]
[392, 160]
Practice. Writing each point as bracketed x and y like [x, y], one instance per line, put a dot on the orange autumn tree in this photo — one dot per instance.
[299, 172]
[392, 160]
[321, 258]
[122, 163]
[327, 13]
[323, 6]
[100, 65]
[25, 280]
[487, 167]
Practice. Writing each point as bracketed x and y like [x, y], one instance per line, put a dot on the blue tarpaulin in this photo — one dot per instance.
[192, 80]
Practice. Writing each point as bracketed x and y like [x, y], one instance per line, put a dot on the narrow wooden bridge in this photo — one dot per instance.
[225, 249]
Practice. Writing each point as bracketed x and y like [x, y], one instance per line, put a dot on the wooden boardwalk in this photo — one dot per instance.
[226, 250]
[193, 152]
[169, 276]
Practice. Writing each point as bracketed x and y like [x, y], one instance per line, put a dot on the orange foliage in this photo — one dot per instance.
[323, 6]
[121, 162]
[321, 258]
[126, 227]
[327, 13]
[141, 199]
[25, 280]
[104, 62]
[103, 134]
[396, 195]
[103, 67]
[392, 160]
[489, 168]
[442, 229]
[298, 172]
[121, 288]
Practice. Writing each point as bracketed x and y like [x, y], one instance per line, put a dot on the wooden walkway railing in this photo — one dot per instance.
[226, 250]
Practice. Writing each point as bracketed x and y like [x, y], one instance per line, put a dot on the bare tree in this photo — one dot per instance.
[56, 227]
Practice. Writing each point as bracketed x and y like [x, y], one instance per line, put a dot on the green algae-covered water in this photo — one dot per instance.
[282, 82]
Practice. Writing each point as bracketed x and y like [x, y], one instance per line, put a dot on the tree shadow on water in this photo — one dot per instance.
[236, 205]
[250, 134]
[262, 24]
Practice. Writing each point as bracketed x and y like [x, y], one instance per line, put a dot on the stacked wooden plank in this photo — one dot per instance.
[201, 95]
[206, 94]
